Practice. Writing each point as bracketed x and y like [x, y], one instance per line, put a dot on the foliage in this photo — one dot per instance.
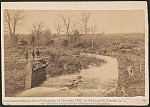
[65, 43]
[51, 42]
[23, 42]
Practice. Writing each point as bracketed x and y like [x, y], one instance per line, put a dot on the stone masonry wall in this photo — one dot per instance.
[38, 76]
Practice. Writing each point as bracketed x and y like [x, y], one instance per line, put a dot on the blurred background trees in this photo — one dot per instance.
[12, 18]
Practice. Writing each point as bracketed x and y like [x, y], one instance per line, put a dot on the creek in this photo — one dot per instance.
[92, 82]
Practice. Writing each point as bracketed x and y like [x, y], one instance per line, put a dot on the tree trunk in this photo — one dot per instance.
[10, 33]
[92, 44]
[86, 31]
[14, 30]
[33, 45]
[38, 39]
[68, 36]
[11, 38]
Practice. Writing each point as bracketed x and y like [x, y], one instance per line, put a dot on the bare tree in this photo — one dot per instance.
[84, 18]
[7, 20]
[58, 28]
[46, 36]
[37, 30]
[67, 24]
[12, 19]
[93, 30]
[16, 18]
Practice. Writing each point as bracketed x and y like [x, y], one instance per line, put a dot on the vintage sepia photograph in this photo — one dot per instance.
[79, 53]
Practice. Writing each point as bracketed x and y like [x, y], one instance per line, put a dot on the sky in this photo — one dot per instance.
[107, 21]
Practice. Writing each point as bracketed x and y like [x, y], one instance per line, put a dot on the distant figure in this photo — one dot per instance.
[26, 55]
[38, 53]
[33, 54]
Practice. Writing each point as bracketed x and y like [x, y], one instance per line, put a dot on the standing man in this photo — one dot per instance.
[33, 54]
[38, 53]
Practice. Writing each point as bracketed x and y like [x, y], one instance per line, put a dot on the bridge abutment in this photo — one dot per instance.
[35, 75]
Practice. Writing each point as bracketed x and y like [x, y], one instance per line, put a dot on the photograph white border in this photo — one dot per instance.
[111, 5]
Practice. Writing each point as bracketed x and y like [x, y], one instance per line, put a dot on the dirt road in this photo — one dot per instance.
[91, 82]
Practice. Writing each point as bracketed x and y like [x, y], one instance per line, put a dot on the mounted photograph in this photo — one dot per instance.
[63, 53]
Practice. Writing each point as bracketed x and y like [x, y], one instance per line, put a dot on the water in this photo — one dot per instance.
[94, 82]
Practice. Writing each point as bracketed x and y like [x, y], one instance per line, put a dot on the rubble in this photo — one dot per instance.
[75, 83]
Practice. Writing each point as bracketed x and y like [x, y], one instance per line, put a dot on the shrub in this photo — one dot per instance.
[23, 42]
[81, 45]
[65, 43]
[51, 42]
[105, 51]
